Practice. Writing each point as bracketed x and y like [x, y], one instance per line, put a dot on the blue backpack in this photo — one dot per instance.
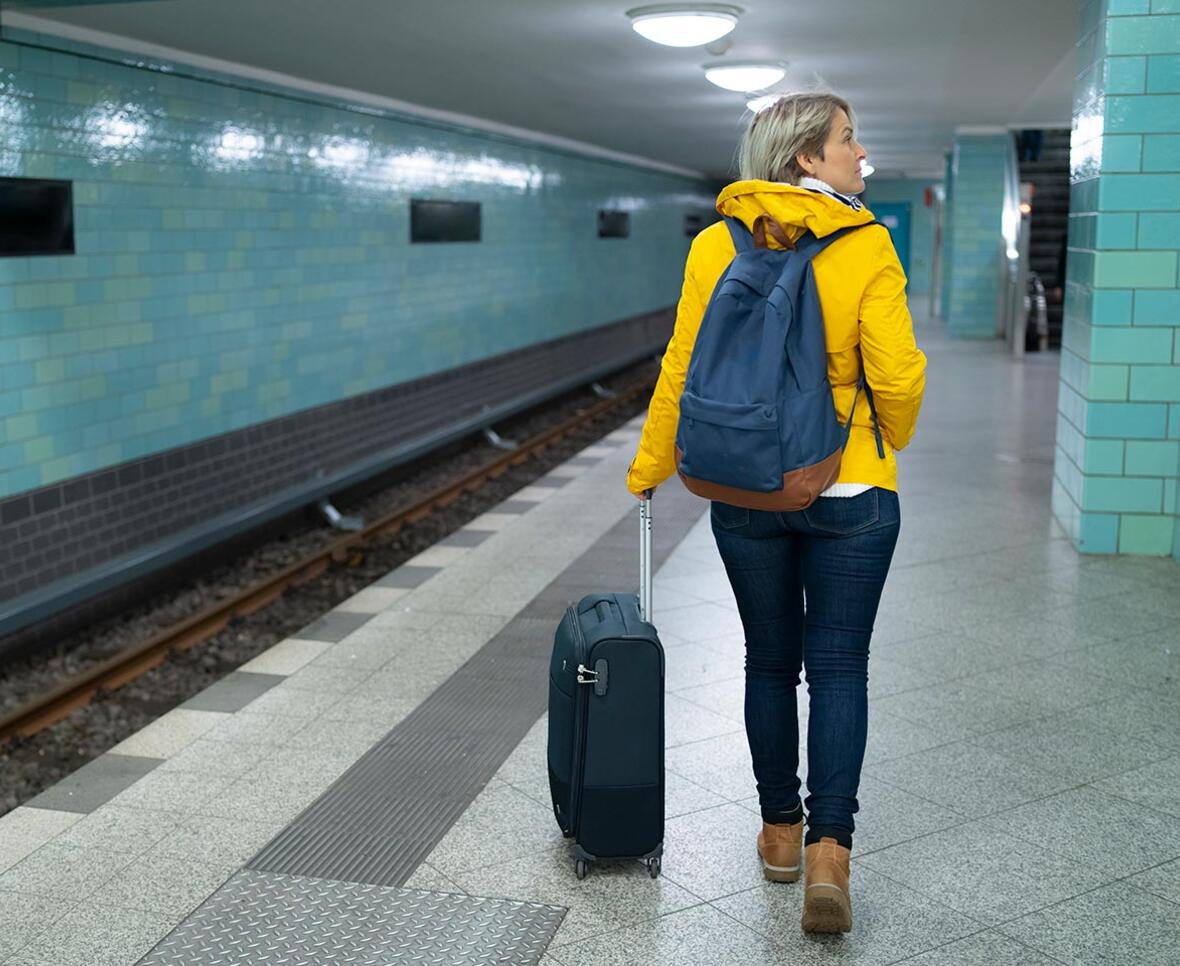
[758, 426]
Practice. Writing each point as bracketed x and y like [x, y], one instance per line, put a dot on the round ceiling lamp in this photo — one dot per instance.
[684, 25]
[745, 76]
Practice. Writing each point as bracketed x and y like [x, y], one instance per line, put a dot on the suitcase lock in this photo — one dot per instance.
[597, 677]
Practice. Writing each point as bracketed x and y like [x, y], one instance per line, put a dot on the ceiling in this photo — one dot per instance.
[913, 69]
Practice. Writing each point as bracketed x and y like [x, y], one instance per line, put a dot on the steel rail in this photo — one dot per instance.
[126, 666]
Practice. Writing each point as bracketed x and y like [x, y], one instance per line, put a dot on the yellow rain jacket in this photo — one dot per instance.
[862, 292]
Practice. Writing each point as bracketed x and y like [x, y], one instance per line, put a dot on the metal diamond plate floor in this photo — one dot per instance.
[267, 919]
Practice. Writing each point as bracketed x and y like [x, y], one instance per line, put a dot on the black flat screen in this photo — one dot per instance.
[444, 221]
[614, 224]
[36, 217]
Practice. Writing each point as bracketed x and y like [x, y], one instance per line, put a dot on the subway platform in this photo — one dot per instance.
[374, 791]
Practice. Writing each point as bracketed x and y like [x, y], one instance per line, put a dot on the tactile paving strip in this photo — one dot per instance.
[268, 919]
[384, 815]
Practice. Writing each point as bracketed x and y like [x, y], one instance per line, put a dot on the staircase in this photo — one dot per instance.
[1050, 217]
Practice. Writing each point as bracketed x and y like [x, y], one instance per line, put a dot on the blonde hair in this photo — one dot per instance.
[794, 124]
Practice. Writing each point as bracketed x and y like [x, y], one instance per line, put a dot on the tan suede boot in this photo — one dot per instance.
[779, 847]
[827, 905]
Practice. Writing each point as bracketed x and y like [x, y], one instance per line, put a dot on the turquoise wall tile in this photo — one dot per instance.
[1126, 75]
[1143, 534]
[1116, 230]
[1161, 152]
[1131, 345]
[1140, 269]
[1165, 6]
[1163, 74]
[1143, 113]
[1108, 383]
[1143, 35]
[1139, 192]
[1159, 230]
[1123, 494]
[1126, 420]
[1156, 383]
[1112, 306]
[1157, 308]
[1152, 459]
[1099, 533]
[1123, 8]
[244, 254]
[1103, 457]
[1121, 152]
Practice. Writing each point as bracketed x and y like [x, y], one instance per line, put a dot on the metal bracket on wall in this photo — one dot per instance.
[497, 440]
[338, 520]
[601, 391]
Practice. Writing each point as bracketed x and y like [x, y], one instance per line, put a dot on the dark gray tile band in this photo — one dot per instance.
[380, 819]
[269, 919]
[515, 506]
[408, 576]
[95, 783]
[465, 538]
[233, 692]
[552, 482]
[333, 627]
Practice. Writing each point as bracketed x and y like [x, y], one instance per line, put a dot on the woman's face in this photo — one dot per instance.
[840, 165]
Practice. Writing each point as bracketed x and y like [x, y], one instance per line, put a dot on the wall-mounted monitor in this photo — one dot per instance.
[36, 217]
[614, 224]
[444, 221]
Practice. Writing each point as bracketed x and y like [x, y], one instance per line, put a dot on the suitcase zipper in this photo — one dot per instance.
[581, 710]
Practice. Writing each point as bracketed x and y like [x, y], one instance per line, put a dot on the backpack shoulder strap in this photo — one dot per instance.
[742, 239]
[809, 246]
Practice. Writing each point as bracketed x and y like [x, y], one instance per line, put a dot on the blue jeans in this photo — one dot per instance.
[836, 553]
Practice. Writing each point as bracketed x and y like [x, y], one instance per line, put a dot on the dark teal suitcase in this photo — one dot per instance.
[606, 724]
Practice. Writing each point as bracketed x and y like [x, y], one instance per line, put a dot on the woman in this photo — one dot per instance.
[800, 164]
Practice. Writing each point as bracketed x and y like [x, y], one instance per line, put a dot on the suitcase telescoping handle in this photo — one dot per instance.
[645, 557]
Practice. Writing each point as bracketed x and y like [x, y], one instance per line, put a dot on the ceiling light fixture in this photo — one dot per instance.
[684, 24]
[745, 76]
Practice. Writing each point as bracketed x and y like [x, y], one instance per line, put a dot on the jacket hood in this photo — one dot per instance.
[796, 209]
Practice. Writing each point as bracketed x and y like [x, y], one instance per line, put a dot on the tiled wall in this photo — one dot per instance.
[921, 224]
[979, 165]
[944, 294]
[1118, 454]
[242, 254]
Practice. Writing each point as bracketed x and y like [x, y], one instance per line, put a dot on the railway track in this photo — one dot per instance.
[137, 659]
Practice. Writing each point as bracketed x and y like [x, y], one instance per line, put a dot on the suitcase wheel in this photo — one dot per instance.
[653, 867]
[581, 867]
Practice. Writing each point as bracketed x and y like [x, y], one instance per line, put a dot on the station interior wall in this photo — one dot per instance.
[242, 253]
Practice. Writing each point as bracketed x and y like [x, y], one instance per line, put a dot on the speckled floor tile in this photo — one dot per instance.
[982, 949]
[984, 874]
[100, 935]
[702, 936]
[889, 921]
[614, 894]
[1089, 826]
[1118, 925]
[24, 830]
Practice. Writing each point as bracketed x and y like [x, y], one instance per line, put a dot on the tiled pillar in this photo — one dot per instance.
[977, 242]
[1118, 435]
